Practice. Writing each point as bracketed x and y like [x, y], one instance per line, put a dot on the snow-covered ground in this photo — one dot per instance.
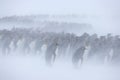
[34, 68]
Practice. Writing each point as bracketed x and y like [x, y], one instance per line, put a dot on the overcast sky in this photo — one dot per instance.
[99, 7]
[107, 10]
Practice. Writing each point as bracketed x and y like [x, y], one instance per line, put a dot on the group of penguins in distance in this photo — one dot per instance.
[62, 45]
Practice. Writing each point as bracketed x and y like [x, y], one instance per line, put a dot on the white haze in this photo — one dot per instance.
[17, 66]
[104, 15]
[33, 68]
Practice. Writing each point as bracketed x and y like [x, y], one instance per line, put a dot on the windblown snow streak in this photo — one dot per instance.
[43, 53]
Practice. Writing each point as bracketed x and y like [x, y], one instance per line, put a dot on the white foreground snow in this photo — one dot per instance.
[33, 68]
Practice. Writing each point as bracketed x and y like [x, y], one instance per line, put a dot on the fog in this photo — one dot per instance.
[33, 68]
[101, 16]
[18, 65]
